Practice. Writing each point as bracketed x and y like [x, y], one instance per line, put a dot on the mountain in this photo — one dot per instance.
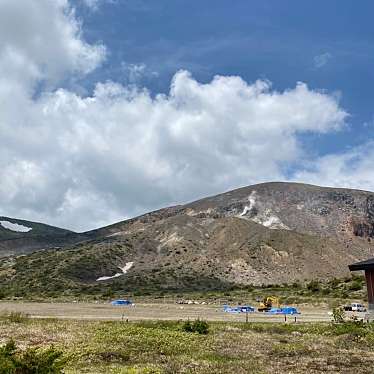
[19, 236]
[262, 234]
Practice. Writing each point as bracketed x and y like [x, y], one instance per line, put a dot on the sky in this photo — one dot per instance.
[113, 108]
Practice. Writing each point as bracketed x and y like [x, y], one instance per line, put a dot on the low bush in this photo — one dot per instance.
[198, 326]
[15, 317]
[30, 361]
[355, 328]
[313, 286]
[338, 315]
[356, 285]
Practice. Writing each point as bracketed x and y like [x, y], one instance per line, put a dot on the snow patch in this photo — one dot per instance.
[115, 234]
[14, 226]
[124, 270]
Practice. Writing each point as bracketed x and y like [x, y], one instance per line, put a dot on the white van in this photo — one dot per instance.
[356, 307]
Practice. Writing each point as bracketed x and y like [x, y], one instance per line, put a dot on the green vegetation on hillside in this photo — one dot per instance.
[63, 275]
[38, 229]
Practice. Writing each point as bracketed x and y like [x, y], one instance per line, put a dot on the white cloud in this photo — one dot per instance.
[134, 73]
[41, 40]
[89, 160]
[322, 59]
[351, 169]
[81, 162]
[92, 4]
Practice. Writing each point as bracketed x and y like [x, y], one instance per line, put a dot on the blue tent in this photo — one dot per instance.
[121, 302]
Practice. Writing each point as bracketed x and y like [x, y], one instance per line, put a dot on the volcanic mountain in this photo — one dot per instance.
[261, 234]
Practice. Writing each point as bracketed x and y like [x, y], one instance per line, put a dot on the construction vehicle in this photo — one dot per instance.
[268, 303]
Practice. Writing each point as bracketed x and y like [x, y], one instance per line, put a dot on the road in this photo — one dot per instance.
[100, 311]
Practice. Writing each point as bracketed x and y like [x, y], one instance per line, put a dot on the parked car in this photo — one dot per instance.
[354, 307]
[357, 307]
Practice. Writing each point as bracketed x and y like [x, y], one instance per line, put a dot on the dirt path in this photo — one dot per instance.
[93, 311]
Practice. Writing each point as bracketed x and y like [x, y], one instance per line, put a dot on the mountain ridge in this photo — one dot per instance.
[267, 233]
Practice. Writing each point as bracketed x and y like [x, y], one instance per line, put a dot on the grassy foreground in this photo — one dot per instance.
[163, 347]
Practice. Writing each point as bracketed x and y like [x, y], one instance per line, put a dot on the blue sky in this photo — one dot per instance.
[327, 44]
[112, 108]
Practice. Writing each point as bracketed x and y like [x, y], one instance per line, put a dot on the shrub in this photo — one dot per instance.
[338, 315]
[354, 329]
[296, 285]
[313, 286]
[356, 285]
[18, 317]
[334, 282]
[187, 326]
[31, 361]
[198, 326]
[15, 317]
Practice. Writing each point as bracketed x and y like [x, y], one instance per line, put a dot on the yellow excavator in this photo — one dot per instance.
[267, 303]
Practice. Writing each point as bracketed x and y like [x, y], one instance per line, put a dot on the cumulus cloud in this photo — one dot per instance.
[41, 40]
[84, 161]
[351, 169]
[121, 151]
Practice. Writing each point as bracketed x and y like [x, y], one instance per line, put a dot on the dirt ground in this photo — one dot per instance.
[101, 311]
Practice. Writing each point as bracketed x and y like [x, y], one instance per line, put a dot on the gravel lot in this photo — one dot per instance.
[100, 311]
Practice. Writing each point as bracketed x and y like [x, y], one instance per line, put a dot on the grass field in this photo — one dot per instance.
[94, 336]
[229, 347]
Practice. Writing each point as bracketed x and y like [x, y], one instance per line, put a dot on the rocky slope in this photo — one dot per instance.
[267, 233]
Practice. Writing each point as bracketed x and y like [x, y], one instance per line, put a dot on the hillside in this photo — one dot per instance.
[263, 234]
[19, 236]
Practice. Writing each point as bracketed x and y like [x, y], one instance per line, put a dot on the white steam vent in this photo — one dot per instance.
[263, 216]
[252, 203]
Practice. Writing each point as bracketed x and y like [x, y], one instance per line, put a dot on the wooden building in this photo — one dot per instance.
[368, 267]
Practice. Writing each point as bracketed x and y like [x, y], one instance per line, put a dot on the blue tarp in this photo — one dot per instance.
[121, 302]
[275, 311]
[285, 310]
[290, 310]
[238, 309]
